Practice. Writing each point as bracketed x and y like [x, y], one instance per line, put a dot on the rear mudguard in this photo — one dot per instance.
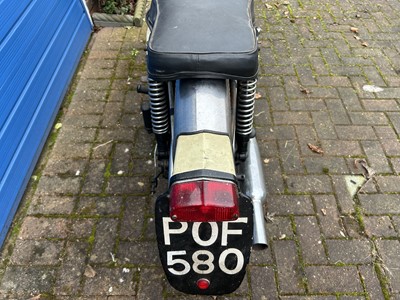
[217, 251]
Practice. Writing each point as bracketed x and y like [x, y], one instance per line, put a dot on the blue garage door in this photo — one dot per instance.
[41, 42]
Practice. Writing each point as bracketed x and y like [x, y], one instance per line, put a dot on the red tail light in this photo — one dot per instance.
[203, 283]
[204, 201]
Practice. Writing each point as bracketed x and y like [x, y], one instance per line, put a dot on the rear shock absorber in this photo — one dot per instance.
[244, 116]
[159, 116]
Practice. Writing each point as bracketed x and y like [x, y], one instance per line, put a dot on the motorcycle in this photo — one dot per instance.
[202, 63]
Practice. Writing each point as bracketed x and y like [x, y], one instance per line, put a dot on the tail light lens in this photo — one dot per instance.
[203, 283]
[204, 201]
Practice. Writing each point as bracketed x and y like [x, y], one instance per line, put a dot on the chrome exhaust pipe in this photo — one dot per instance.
[254, 187]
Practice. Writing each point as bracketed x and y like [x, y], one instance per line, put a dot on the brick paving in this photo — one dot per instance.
[89, 202]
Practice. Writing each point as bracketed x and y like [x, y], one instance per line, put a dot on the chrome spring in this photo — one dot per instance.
[245, 106]
[158, 106]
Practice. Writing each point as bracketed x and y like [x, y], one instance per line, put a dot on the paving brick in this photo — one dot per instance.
[291, 118]
[306, 135]
[388, 184]
[389, 93]
[391, 147]
[393, 81]
[371, 282]
[91, 72]
[263, 285]
[110, 281]
[269, 81]
[25, 281]
[281, 132]
[289, 271]
[323, 92]
[70, 273]
[70, 151]
[84, 121]
[368, 118]
[94, 84]
[389, 251]
[149, 225]
[341, 148]
[396, 221]
[330, 56]
[349, 251]
[309, 298]
[81, 228]
[279, 227]
[121, 159]
[307, 105]
[373, 75]
[355, 132]
[328, 215]
[380, 204]
[49, 185]
[128, 185]
[139, 253]
[116, 135]
[277, 98]
[262, 115]
[94, 179]
[337, 111]
[155, 276]
[345, 70]
[320, 68]
[144, 145]
[131, 120]
[65, 167]
[132, 221]
[395, 162]
[112, 114]
[116, 96]
[141, 167]
[48, 205]
[379, 226]
[309, 184]
[380, 105]
[99, 206]
[385, 133]
[309, 235]
[122, 69]
[306, 76]
[325, 164]
[290, 157]
[376, 156]
[394, 118]
[337, 81]
[325, 279]
[36, 228]
[292, 87]
[36, 252]
[278, 70]
[102, 150]
[350, 99]
[362, 62]
[273, 176]
[323, 125]
[290, 205]
[106, 233]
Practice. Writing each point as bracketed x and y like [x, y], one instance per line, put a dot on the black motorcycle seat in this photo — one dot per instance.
[202, 39]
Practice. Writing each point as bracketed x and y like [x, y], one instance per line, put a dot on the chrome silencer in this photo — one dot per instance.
[254, 187]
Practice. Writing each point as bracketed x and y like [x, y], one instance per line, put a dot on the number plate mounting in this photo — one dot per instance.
[216, 251]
